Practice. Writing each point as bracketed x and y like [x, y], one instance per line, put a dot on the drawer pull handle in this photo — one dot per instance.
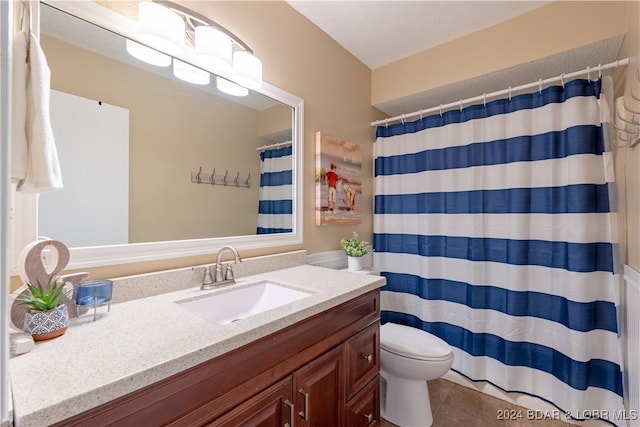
[368, 417]
[291, 413]
[368, 358]
[305, 410]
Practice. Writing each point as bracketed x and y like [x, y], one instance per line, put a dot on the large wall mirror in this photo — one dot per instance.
[154, 167]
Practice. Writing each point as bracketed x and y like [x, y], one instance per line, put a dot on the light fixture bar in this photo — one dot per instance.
[189, 14]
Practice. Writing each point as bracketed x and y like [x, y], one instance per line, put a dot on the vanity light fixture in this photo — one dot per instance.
[213, 48]
[148, 55]
[166, 25]
[161, 28]
[189, 73]
[230, 88]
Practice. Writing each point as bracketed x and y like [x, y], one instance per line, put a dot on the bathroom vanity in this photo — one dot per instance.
[314, 361]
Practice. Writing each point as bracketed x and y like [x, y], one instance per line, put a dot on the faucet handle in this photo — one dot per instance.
[228, 273]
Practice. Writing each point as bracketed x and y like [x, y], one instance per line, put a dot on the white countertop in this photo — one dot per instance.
[143, 341]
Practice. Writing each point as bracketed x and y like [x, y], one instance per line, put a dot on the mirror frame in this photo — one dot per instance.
[25, 206]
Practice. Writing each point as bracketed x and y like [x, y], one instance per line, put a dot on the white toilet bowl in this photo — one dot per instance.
[409, 357]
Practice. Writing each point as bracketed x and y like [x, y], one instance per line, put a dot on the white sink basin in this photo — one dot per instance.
[227, 307]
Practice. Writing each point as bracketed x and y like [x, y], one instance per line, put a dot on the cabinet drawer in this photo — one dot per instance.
[363, 358]
[364, 409]
[272, 407]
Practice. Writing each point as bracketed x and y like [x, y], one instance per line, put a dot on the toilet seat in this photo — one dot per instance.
[413, 343]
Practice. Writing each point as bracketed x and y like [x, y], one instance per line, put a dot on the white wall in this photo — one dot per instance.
[92, 139]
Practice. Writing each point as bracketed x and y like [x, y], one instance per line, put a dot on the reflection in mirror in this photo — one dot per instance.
[149, 158]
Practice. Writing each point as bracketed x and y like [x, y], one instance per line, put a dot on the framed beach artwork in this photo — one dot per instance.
[338, 181]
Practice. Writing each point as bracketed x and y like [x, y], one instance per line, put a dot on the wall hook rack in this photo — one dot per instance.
[226, 180]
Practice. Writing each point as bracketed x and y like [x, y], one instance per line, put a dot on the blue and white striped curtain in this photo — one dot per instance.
[276, 191]
[495, 230]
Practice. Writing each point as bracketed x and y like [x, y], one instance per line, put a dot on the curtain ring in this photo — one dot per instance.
[386, 122]
[461, 104]
[599, 71]
[562, 79]
[589, 73]
[509, 93]
[485, 100]
[440, 110]
[421, 114]
[402, 118]
[540, 86]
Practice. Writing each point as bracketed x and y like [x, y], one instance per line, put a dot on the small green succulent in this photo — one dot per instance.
[354, 246]
[44, 298]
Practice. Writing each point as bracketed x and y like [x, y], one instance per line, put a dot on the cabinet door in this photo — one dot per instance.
[272, 407]
[319, 390]
[364, 409]
[363, 358]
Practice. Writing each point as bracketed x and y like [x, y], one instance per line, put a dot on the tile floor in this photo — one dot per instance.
[454, 405]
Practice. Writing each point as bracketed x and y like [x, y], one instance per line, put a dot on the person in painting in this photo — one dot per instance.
[332, 182]
[350, 192]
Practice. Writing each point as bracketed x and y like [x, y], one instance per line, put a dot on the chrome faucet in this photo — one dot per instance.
[220, 277]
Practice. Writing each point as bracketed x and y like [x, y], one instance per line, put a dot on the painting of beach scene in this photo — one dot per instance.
[338, 181]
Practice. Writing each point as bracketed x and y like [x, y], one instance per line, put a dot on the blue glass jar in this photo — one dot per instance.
[93, 293]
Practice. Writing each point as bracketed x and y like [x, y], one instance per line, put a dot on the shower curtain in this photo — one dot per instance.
[494, 226]
[276, 191]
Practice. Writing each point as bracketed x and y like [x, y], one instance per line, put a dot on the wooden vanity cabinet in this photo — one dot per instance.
[322, 371]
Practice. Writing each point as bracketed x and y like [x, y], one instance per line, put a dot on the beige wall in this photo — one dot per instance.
[548, 30]
[338, 90]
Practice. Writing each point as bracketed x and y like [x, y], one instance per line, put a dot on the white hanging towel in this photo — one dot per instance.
[35, 164]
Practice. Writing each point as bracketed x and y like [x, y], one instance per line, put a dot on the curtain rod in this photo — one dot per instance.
[508, 91]
[276, 145]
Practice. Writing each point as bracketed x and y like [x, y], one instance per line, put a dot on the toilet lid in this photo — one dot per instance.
[412, 342]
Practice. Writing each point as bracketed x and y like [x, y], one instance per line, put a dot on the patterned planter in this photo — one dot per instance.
[45, 325]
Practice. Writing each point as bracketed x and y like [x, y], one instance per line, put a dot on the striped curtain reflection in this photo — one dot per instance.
[276, 191]
[495, 229]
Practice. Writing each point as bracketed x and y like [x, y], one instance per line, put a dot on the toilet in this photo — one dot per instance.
[409, 357]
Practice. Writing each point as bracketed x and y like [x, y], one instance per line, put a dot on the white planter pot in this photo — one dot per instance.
[354, 263]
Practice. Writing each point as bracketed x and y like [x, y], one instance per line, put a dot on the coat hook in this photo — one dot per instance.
[248, 180]
[224, 179]
[198, 175]
[212, 178]
[235, 181]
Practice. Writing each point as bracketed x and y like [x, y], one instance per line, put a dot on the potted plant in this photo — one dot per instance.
[47, 316]
[355, 250]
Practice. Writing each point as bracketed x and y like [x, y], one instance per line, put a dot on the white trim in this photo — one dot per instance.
[6, 34]
[631, 275]
[26, 207]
